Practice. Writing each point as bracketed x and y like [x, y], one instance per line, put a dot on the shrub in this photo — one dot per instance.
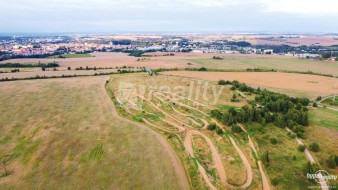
[235, 129]
[301, 148]
[274, 182]
[219, 131]
[314, 147]
[233, 88]
[318, 98]
[221, 82]
[315, 105]
[266, 158]
[293, 135]
[273, 141]
[202, 69]
[69, 68]
[211, 127]
[332, 162]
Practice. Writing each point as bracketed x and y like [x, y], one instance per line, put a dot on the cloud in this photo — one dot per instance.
[307, 7]
[169, 15]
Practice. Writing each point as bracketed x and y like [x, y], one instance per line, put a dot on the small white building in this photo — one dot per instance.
[268, 51]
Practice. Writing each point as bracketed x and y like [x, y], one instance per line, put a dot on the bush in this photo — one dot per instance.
[273, 141]
[310, 168]
[318, 98]
[332, 162]
[266, 158]
[236, 129]
[233, 88]
[69, 68]
[219, 131]
[315, 105]
[202, 69]
[293, 135]
[301, 148]
[274, 182]
[221, 82]
[314, 147]
[211, 127]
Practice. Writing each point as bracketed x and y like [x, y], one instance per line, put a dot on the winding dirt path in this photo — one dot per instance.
[216, 158]
[176, 162]
[188, 140]
[265, 181]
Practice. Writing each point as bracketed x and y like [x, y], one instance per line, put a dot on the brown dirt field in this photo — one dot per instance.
[289, 83]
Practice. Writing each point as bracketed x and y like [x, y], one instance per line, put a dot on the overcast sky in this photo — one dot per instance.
[110, 16]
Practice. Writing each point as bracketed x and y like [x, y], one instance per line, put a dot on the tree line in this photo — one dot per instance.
[23, 65]
[268, 107]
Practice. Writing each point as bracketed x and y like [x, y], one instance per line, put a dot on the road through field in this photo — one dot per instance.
[166, 147]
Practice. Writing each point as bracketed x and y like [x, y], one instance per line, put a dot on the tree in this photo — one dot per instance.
[314, 147]
[336, 59]
[315, 105]
[332, 162]
[211, 126]
[69, 68]
[318, 98]
[219, 131]
[301, 148]
[221, 82]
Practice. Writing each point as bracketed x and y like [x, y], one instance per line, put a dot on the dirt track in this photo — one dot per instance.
[216, 158]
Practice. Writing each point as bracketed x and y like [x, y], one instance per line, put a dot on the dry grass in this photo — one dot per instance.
[289, 83]
[65, 136]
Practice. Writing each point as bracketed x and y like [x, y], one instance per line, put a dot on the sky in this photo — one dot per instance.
[189, 16]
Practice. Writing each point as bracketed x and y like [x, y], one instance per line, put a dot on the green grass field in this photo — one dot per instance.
[330, 102]
[71, 56]
[324, 118]
[286, 162]
[64, 136]
[290, 64]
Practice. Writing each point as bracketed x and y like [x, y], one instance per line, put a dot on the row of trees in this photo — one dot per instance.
[25, 65]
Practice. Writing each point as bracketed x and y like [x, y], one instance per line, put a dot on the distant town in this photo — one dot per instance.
[323, 47]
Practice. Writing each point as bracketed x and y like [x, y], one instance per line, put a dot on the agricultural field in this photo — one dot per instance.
[293, 84]
[65, 133]
[191, 132]
[193, 60]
